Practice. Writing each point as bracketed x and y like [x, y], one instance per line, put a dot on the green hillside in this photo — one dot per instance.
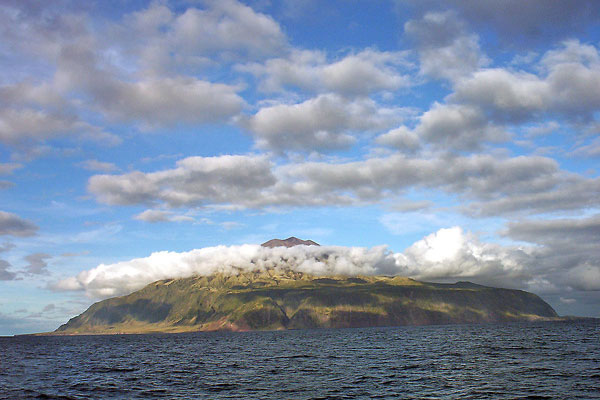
[276, 299]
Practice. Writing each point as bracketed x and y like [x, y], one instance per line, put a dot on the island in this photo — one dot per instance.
[277, 299]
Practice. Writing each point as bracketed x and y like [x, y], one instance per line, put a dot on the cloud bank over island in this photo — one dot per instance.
[447, 255]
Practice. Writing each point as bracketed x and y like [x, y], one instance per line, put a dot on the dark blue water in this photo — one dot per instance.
[514, 361]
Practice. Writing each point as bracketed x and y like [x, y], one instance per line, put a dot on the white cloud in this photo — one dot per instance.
[196, 180]
[521, 23]
[510, 95]
[97, 68]
[127, 276]
[161, 39]
[457, 126]
[153, 216]
[170, 101]
[445, 49]
[486, 103]
[571, 52]
[485, 184]
[449, 254]
[322, 123]
[11, 224]
[18, 126]
[447, 127]
[362, 73]
[567, 85]
[40, 112]
[402, 138]
[227, 26]
[152, 102]
[479, 176]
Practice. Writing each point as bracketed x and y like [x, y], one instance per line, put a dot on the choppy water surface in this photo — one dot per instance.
[537, 361]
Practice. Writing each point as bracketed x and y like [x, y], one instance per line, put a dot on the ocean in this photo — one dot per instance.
[558, 360]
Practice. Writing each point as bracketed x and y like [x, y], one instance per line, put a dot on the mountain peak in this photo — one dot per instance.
[289, 242]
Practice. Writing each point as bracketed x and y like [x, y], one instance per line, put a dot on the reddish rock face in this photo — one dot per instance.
[289, 242]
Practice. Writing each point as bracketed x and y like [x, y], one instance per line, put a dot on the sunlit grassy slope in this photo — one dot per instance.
[276, 299]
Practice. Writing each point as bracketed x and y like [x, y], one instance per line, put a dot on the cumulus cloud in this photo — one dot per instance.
[478, 176]
[13, 225]
[170, 101]
[446, 50]
[447, 126]
[487, 185]
[227, 29]
[401, 138]
[486, 102]
[356, 74]
[457, 127]
[449, 254]
[519, 23]
[568, 85]
[510, 96]
[39, 113]
[18, 126]
[195, 181]
[151, 102]
[100, 69]
[159, 35]
[322, 123]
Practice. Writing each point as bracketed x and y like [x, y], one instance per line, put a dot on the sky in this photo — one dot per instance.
[441, 140]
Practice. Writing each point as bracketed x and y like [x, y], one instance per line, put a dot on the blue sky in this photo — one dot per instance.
[441, 140]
